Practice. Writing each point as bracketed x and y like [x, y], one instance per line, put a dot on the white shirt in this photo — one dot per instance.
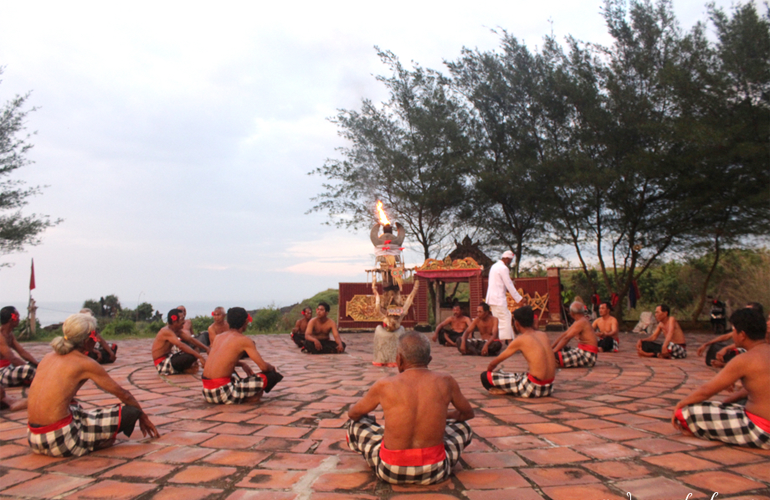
[499, 280]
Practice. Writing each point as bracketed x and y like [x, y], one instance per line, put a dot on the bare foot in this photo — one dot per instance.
[253, 399]
[496, 391]
[193, 369]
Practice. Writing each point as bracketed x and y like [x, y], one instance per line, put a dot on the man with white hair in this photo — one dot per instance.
[499, 282]
[422, 439]
[58, 425]
[588, 346]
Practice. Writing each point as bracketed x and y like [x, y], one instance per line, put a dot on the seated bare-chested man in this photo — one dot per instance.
[58, 425]
[14, 371]
[422, 439]
[219, 325]
[103, 352]
[169, 353]
[587, 350]
[318, 330]
[721, 350]
[221, 383]
[451, 329]
[187, 335]
[298, 332]
[607, 329]
[674, 344]
[536, 349]
[744, 425]
[489, 344]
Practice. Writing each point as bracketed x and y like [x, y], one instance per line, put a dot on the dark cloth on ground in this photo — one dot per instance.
[203, 338]
[711, 354]
[608, 344]
[474, 347]
[128, 418]
[677, 351]
[327, 347]
[174, 363]
[299, 339]
[448, 332]
[418, 466]
[101, 355]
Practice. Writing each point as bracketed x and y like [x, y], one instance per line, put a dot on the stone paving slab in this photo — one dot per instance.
[604, 433]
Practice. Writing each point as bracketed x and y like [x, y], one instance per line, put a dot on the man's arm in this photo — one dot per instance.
[189, 338]
[99, 375]
[509, 351]
[495, 336]
[468, 331]
[651, 337]
[440, 326]
[597, 330]
[463, 410]
[337, 337]
[251, 351]
[509, 285]
[22, 352]
[721, 338]
[173, 339]
[309, 334]
[106, 347]
[369, 402]
[8, 354]
[296, 326]
[669, 335]
[566, 337]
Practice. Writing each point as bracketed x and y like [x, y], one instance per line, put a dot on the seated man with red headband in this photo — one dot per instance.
[14, 371]
[586, 353]
[221, 384]
[169, 353]
[534, 346]
[421, 439]
[742, 424]
[58, 425]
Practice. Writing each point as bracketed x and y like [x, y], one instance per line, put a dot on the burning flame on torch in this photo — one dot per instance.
[383, 218]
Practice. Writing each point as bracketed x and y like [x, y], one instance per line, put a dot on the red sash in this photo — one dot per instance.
[51, 427]
[760, 422]
[4, 363]
[413, 457]
[160, 360]
[589, 348]
[214, 383]
[537, 381]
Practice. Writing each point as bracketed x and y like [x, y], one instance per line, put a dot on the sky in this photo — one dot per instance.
[175, 138]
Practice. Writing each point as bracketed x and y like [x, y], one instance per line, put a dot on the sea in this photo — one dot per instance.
[50, 313]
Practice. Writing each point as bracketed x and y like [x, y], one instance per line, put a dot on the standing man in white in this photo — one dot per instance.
[499, 282]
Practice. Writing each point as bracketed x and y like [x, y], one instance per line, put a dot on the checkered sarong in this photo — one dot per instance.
[729, 423]
[365, 437]
[474, 347]
[583, 356]
[678, 351]
[12, 376]
[77, 435]
[517, 384]
[233, 391]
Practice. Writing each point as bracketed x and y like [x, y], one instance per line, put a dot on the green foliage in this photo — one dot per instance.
[23, 332]
[94, 305]
[330, 296]
[120, 327]
[201, 323]
[144, 311]
[266, 320]
[152, 327]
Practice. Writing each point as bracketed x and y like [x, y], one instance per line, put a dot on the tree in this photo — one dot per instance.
[144, 311]
[16, 230]
[410, 152]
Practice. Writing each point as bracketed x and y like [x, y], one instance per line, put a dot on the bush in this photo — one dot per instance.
[201, 323]
[153, 327]
[120, 327]
[266, 320]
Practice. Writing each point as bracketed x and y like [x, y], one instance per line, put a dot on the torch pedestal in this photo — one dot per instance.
[385, 346]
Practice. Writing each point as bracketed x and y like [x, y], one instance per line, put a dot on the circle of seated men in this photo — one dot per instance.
[426, 414]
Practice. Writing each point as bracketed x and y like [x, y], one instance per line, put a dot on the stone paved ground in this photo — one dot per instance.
[605, 432]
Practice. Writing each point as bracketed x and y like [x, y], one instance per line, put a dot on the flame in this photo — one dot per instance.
[383, 218]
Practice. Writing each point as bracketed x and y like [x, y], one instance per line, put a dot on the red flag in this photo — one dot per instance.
[32, 277]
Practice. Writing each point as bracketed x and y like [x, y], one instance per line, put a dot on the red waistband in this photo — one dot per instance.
[537, 381]
[760, 422]
[4, 363]
[589, 348]
[213, 383]
[413, 457]
[160, 360]
[51, 427]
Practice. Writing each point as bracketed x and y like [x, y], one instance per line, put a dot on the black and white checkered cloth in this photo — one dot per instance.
[235, 391]
[165, 368]
[723, 422]
[365, 437]
[12, 376]
[516, 384]
[678, 351]
[88, 430]
[474, 347]
[570, 357]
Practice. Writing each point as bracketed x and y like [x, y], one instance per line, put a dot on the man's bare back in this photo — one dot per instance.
[226, 353]
[58, 379]
[581, 329]
[536, 349]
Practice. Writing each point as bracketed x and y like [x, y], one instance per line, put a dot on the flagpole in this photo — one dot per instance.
[31, 308]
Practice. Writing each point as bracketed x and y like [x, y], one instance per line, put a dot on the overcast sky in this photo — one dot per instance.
[175, 138]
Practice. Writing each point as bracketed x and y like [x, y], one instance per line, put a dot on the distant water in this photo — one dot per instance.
[49, 313]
